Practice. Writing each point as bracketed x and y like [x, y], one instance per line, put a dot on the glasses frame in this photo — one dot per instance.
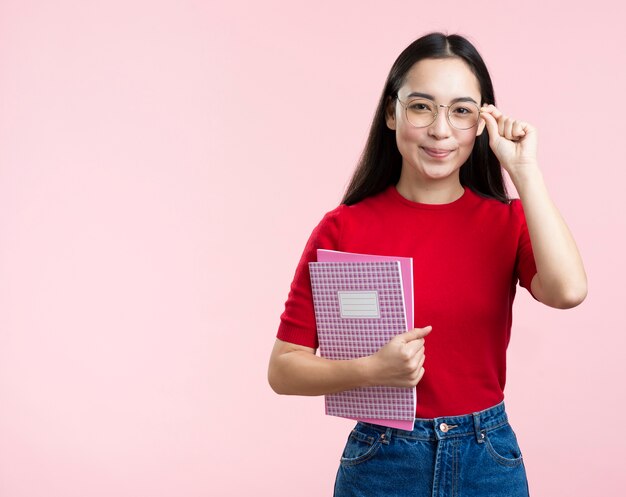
[406, 112]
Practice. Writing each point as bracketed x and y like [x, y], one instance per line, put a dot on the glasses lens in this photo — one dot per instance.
[420, 112]
[463, 115]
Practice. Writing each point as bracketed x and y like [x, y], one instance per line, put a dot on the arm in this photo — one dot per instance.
[560, 281]
[296, 370]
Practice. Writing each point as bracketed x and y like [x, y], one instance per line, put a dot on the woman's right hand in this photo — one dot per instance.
[399, 363]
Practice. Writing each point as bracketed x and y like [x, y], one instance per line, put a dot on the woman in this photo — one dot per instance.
[429, 185]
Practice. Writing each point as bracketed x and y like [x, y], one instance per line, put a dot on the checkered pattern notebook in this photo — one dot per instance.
[360, 306]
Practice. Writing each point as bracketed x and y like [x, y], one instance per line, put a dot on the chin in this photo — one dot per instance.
[439, 172]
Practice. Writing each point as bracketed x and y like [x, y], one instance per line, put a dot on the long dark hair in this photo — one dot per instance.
[380, 163]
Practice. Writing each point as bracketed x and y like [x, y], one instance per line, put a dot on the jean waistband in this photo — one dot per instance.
[475, 424]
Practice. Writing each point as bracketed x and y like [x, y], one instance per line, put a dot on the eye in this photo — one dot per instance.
[466, 112]
[420, 106]
[462, 110]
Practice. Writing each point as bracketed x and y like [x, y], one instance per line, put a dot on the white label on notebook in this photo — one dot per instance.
[360, 304]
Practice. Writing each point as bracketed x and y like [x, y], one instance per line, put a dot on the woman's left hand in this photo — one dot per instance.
[513, 142]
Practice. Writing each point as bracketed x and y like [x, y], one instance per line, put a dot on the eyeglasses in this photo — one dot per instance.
[422, 112]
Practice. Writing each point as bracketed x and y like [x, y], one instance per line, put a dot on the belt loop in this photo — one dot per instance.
[480, 435]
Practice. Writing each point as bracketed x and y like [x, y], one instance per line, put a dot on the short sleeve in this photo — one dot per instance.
[297, 322]
[525, 266]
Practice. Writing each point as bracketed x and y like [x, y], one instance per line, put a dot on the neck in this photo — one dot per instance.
[431, 192]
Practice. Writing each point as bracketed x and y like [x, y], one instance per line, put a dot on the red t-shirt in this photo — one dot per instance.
[467, 258]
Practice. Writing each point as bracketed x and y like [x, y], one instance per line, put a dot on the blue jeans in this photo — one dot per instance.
[453, 456]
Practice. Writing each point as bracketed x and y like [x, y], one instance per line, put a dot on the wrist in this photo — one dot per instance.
[365, 369]
[525, 176]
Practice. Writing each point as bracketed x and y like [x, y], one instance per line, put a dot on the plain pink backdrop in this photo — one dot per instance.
[161, 166]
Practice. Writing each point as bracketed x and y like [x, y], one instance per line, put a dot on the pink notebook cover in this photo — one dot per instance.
[360, 304]
[406, 266]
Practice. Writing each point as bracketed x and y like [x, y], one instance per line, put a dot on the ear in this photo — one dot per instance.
[390, 113]
[481, 127]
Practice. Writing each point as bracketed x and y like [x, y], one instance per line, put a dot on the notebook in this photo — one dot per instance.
[362, 301]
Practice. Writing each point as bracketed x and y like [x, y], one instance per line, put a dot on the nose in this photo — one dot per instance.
[440, 128]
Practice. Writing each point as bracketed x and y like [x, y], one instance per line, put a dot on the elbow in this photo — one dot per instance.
[273, 378]
[573, 297]
[560, 294]
[276, 387]
[570, 302]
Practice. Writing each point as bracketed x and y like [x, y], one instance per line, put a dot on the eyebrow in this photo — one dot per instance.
[430, 97]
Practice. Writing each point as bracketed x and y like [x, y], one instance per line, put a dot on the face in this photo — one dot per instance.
[438, 151]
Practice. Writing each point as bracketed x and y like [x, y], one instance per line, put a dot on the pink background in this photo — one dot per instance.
[162, 164]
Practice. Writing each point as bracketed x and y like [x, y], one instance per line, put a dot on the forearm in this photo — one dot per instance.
[302, 373]
[561, 279]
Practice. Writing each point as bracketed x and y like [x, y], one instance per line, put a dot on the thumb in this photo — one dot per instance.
[416, 333]
[492, 125]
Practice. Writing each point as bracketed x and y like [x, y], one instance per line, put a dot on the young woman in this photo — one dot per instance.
[429, 186]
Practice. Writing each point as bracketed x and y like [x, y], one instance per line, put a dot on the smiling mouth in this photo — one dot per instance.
[438, 153]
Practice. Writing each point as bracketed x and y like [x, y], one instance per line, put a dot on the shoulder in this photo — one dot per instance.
[517, 210]
[497, 216]
[369, 206]
[346, 217]
[511, 208]
[327, 233]
[332, 218]
[362, 208]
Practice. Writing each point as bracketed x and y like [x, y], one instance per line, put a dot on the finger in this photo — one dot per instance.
[421, 373]
[414, 378]
[491, 124]
[415, 364]
[508, 128]
[499, 117]
[413, 347]
[519, 129]
[422, 359]
[416, 333]
[495, 112]
[501, 122]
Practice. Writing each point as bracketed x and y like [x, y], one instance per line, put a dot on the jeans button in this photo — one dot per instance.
[443, 427]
